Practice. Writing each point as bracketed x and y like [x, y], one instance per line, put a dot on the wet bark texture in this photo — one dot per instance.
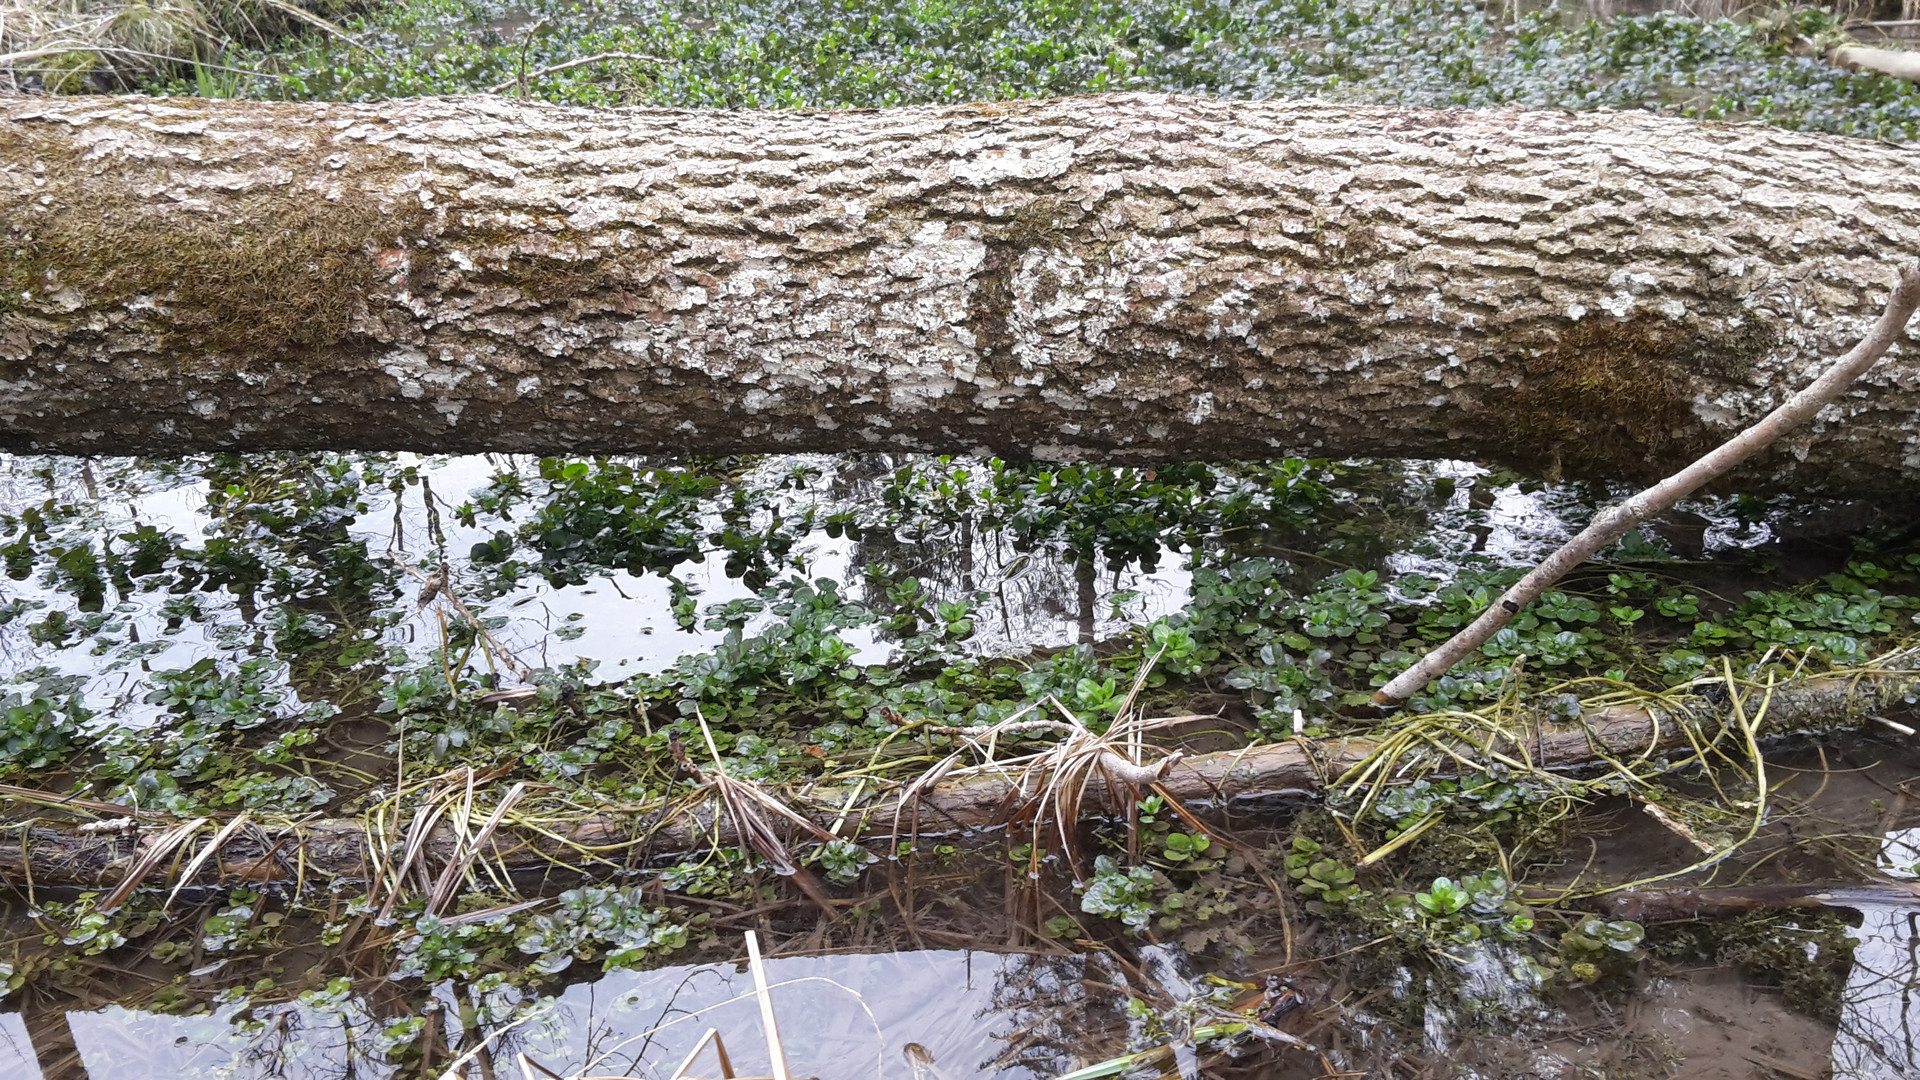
[52, 853]
[1131, 278]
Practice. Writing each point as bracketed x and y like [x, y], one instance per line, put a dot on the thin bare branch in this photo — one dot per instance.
[583, 61]
[1612, 523]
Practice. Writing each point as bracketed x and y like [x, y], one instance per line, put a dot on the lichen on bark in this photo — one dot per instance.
[1135, 278]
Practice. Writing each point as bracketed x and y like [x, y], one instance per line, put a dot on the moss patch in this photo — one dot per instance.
[547, 278]
[1614, 397]
[257, 271]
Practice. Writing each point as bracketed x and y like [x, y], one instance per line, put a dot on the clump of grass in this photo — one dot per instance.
[115, 46]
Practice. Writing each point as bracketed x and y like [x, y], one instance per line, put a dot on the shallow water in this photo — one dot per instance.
[620, 619]
[981, 1012]
[623, 620]
[845, 1017]
[975, 1010]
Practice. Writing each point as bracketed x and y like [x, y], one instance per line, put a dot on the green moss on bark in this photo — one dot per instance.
[246, 272]
[1611, 395]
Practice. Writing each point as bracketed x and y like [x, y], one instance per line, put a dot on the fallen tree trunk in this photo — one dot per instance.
[1896, 63]
[61, 854]
[1131, 278]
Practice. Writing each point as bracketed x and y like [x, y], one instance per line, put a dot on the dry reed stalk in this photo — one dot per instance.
[438, 800]
[749, 806]
[712, 1035]
[156, 853]
[775, 1052]
[213, 847]
[456, 868]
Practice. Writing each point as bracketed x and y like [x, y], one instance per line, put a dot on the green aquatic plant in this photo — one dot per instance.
[614, 924]
[785, 53]
[235, 927]
[611, 924]
[1480, 906]
[1595, 947]
[41, 717]
[1318, 877]
[843, 860]
[1119, 892]
[1347, 605]
[1444, 899]
[606, 514]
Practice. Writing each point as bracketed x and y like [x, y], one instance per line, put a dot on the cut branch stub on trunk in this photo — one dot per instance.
[1132, 278]
[53, 853]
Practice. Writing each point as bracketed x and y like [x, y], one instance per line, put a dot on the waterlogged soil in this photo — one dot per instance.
[288, 635]
[920, 956]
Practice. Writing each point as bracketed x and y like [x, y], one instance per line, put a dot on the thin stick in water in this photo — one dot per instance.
[774, 1050]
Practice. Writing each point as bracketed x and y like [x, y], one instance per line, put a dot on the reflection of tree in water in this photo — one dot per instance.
[1050, 1013]
[1047, 549]
[1029, 596]
[1877, 1015]
[341, 1041]
[51, 512]
[1042, 1016]
[267, 563]
[322, 585]
[1877, 1010]
[1024, 593]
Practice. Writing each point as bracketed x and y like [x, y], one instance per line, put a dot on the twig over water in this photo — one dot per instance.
[1612, 523]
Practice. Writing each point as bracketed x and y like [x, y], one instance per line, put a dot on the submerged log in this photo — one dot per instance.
[1134, 278]
[48, 853]
[1684, 905]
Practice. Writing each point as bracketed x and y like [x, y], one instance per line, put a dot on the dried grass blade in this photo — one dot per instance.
[457, 867]
[213, 847]
[492, 912]
[424, 819]
[164, 846]
[66, 802]
[712, 1035]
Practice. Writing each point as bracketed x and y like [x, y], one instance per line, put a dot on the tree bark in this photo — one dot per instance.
[46, 853]
[1613, 522]
[1132, 278]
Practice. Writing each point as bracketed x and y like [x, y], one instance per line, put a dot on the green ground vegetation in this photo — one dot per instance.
[316, 683]
[795, 53]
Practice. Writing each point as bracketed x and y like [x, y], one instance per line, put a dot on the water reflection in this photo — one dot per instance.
[1005, 1016]
[623, 620]
[1879, 1012]
[312, 536]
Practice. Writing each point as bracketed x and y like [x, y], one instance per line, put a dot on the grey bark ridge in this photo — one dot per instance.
[1129, 278]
